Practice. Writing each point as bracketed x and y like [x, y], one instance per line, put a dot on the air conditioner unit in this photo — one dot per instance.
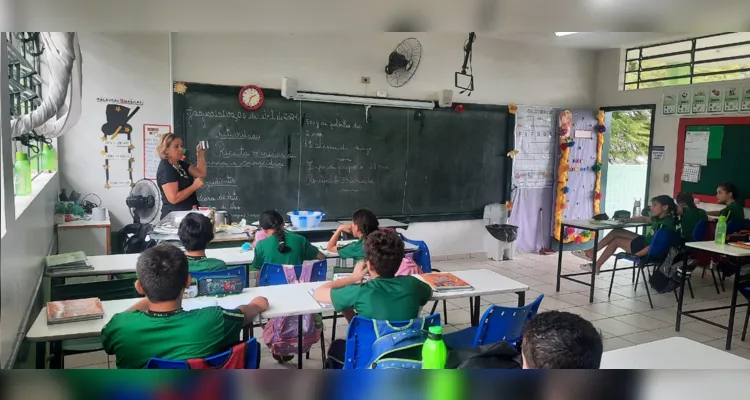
[289, 90]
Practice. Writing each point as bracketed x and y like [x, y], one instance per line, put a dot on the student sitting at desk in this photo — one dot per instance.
[157, 326]
[690, 215]
[196, 232]
[729, 195]
[663, 212]
[280, 246]
[364, 222]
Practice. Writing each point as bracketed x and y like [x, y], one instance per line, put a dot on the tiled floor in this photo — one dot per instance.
[625, 319]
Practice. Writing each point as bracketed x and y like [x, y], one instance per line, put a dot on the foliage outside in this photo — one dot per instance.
[629, 137]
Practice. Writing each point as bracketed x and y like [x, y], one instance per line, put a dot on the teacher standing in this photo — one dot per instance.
[178, 180]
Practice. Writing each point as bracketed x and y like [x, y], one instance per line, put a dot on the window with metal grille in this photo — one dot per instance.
[712, 58]
[25, 87]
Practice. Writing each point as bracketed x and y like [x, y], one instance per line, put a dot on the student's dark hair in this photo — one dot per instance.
[731, 188]
[665, 200]
[687, 199]
[271, 219]
[365, 221]
[561, 340]
[195, 232]
[384, 250]
[162, 271]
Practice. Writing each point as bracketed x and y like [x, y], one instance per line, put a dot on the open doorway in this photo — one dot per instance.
[631, 130]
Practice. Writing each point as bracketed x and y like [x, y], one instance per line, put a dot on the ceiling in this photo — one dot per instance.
[596, 40]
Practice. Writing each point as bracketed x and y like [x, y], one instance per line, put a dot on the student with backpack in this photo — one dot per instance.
[364, 222]
[690, 215]
[196, 232]
[280, 246]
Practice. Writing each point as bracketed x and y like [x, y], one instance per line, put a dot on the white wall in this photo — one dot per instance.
[665, 129]
[123, 65]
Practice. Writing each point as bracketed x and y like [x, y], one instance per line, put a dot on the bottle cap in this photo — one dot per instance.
[436, 330]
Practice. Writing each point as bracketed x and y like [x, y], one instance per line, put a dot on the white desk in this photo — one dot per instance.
[735, 252]
[672, 353]
[384, 223]
[325, 226]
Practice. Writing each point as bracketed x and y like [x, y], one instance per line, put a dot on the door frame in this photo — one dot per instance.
[651, 107]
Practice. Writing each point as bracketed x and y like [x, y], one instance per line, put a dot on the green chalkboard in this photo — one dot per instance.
[410, 164]
[733, 166]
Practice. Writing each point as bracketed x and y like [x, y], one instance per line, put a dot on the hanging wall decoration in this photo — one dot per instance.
[597, 167]
[118, 150]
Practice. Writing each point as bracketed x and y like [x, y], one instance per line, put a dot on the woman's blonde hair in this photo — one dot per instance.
[164, 142]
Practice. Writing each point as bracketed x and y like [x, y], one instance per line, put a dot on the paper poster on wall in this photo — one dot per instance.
[684, 102]
[117, 140]
[669, 103]
[716, 100]
[732, 99]
[691, 173]
[584, 133]
[700, 100]
[151, 135]
[657, 152]
[696, 147]
[745, 104]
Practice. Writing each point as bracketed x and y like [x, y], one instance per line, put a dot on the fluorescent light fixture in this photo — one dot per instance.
[564, 33]
[364, 101]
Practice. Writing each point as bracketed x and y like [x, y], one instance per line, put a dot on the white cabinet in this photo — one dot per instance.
[91, 237]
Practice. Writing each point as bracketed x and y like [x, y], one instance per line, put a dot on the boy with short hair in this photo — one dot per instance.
[196, 232]
[561, 340]
[157, 326]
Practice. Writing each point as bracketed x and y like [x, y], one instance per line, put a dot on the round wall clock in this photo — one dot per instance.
[251, 97]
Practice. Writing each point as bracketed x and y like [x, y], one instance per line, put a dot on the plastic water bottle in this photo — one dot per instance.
[434, 352]
[22, 174]
[49, 159]
[721, 231]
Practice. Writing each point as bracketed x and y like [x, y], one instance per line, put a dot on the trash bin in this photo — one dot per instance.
[500, 239]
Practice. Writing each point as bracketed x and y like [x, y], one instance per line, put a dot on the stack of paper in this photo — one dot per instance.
[68, 261]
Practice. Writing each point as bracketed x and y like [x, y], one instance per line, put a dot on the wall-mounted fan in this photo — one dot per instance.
[144, 201]
[403, 62]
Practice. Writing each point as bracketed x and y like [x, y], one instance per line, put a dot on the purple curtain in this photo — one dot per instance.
[525, 215]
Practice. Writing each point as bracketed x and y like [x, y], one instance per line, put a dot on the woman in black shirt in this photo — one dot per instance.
[178, 180]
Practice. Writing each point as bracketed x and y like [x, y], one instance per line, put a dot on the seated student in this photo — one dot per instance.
[561, 340]
[196, 232]
[157, 326]
[729, 195]
[282, 247]
[363, 223]
[690, 215]
[663, 212]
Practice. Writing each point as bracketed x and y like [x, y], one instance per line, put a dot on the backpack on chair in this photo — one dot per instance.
[398, 347]
[135, 238]
[280, 334]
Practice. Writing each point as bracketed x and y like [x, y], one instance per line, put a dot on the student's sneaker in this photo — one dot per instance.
[582, 254]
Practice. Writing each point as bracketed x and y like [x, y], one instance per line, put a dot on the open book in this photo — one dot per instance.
[445, 282]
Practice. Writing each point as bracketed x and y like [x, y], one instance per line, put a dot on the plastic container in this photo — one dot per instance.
[49, 159]
[721, 231]
[434, 352]
[22, 175]
[305, 219]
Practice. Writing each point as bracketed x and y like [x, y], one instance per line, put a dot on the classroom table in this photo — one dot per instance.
[672, 353]
[284, 301]
[595, 228]
[384, 223]
[734, 252]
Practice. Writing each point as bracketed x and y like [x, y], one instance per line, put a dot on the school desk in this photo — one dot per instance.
[738, 256]
[384, 223]
[672, 353]
[595, 229]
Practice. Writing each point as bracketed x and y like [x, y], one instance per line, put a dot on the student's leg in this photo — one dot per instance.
[617, 243]
[615, 234]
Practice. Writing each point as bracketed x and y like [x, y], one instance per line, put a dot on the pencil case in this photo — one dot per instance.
[220, 285]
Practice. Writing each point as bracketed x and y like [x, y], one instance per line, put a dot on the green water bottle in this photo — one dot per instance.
[22, 174]
[49, 159]
[721, 231]
[434, 352]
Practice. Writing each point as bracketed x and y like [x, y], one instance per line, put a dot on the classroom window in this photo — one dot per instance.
[25, 87]
[712, 58]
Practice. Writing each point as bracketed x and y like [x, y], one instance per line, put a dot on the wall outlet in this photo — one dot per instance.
[666, 178]
[366, 80]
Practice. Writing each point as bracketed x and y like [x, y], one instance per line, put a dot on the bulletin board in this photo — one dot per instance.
[728, 157]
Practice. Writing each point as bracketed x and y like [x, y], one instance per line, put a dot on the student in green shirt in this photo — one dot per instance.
[364, 222]
[663, 212]
[196, 232]
[729, 195]
[690, 215]
[282, 247]
[157, 326]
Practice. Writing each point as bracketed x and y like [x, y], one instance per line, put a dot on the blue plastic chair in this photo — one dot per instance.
[498, 324]
[233, 271]
[423, 259]
[273, 274]
[699, 232]
[252, 359]
[361, 336]
[734, 226]
[657, 251]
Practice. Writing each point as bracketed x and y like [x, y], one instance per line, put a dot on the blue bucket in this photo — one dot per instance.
[305, 219]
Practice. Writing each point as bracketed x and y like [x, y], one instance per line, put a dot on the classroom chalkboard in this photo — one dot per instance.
[288, 155]
[731, 166]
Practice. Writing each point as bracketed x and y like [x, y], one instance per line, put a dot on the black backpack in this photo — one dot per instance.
[500, 355]
[135, 238]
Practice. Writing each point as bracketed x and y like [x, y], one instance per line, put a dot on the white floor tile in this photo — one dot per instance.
[643, 322]
[631, 304]
[642, 337]
[615, 343]
[615, 327]
[586, 313]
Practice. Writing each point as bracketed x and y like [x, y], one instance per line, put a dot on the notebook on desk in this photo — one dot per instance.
[445, 282]
[59, 312]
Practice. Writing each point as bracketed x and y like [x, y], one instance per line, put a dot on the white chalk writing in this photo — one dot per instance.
[268, 115]
[272, 154]
[239, 135]
[246, 164]
[343, 124]
[320, 145]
